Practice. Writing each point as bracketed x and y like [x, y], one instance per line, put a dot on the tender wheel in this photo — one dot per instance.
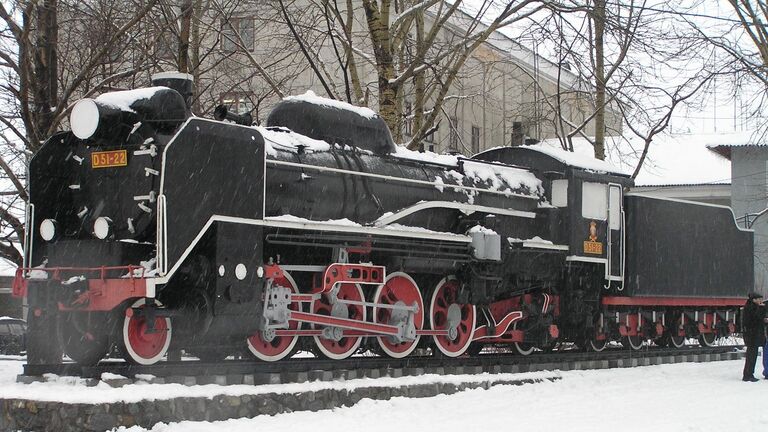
[676, 341]
[707, 339]
[346, 346]
[632, 342]
[275, 348]
[137, 345]
[398, 288]
[521, 348]
[596, 345]
[84, 337]
[446, 312]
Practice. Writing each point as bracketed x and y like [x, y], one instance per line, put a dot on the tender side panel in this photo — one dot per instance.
[685, 249]
[211, 168]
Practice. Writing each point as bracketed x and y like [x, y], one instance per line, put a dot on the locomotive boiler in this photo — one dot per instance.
[150, 229]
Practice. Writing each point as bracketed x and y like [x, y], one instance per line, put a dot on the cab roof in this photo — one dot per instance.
[546, 158]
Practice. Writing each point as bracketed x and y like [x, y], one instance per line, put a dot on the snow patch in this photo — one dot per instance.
[439, 185]
[291, 218]
[73, 279]
[110, 376]
[425, 156]
[123, 100]
[147, 269]
[288, 140]
[502, 178]
[413, 229]
[536, 239]
[37, 272]
[481, 229]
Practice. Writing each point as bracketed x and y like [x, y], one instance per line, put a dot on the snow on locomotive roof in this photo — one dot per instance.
[490, 173]
[493, 174]
[574, 159]
[425, 156]
[123, 100]
[580, 158]
[311, 97]
[288, 140]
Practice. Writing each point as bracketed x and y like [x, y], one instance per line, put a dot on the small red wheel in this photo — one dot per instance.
[445, 310]
[398, 288]
[346, 346]
[139, 346]
[278, 347]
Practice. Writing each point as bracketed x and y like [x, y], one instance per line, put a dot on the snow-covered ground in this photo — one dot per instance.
[74, 390]
[681, 397]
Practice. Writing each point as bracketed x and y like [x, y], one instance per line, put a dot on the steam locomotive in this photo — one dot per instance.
[150, 229]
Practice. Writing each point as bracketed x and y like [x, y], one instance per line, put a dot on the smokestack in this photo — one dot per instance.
[181, 82]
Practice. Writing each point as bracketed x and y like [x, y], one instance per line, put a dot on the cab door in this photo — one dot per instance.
[614, 269]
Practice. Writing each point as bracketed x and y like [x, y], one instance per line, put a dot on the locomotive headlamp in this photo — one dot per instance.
[48, 229]
[102, 227]
[84, 118]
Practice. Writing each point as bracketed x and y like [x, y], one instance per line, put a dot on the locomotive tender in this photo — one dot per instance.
[151, 229]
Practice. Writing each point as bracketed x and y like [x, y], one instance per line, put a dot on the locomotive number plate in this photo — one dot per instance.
[592, 247]
[106, 159]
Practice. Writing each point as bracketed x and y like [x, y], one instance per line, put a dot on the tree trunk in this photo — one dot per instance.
[46, 68]
[186, 22]
[195, 54]
[599, 17]
[378, 26]
[419, 86]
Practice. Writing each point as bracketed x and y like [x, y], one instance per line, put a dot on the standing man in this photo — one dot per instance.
[754, 333]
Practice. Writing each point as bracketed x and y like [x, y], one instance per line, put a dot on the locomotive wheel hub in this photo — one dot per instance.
[268, 334]
[454, 318]
[400, 317]
[333, 333]
[338, 310]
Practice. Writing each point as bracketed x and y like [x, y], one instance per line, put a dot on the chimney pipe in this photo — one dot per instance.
[181, 82]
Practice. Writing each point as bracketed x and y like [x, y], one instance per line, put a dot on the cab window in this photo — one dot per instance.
[560, 193]
[594, 201]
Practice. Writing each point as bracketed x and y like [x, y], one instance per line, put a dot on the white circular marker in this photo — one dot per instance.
[102, 227]
[84, 119]
[240, 271]
[260, 272]
[221, 270]
[48, 229]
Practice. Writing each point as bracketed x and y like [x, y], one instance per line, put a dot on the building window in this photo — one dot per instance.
[244, 27]
[453, 134]
[238, 103]
[475, 139]
[408, 120]
[432, 148]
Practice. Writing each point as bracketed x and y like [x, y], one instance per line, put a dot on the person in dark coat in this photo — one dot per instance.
[753, 322]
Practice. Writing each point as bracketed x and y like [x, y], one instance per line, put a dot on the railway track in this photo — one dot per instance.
[303, 369]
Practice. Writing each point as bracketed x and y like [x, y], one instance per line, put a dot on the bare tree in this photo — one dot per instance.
[40, 83]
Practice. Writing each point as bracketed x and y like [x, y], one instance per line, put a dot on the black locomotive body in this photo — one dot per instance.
[152, 230]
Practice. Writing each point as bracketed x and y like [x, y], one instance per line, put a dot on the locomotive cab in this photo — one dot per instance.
[585, 215]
